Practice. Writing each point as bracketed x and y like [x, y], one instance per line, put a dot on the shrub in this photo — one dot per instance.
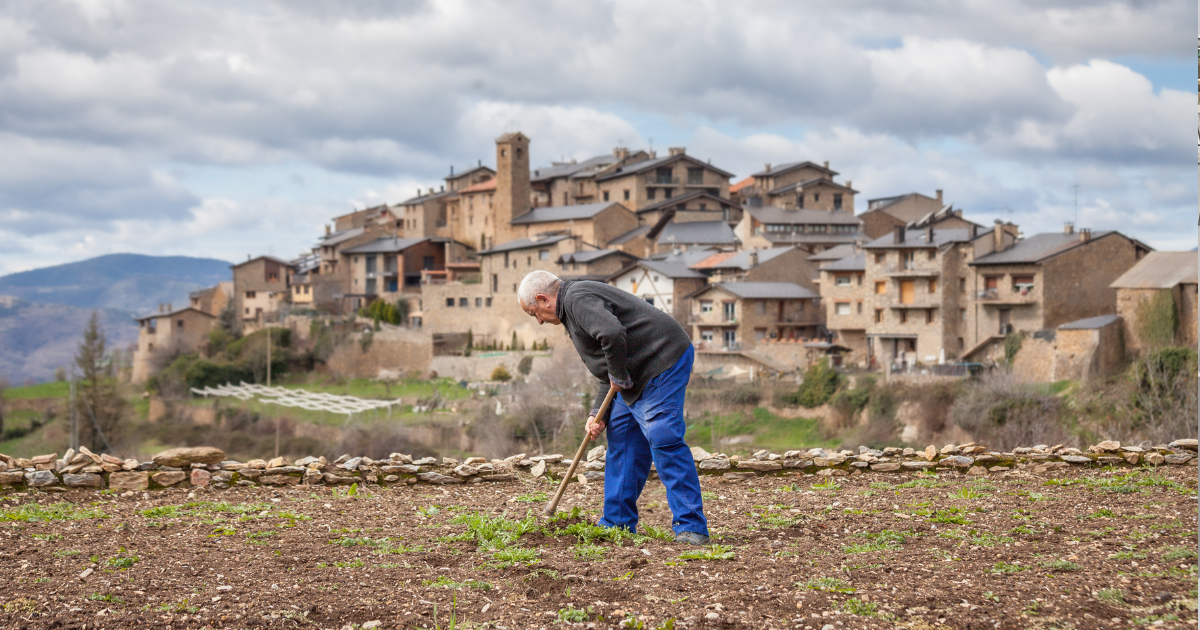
[1157, 320]
[820, 383]
[849, 402]
[1012, 345]
[526, 365]
[1003, 413]
[501, 374]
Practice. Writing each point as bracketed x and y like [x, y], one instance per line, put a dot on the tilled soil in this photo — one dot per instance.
[1108, 549]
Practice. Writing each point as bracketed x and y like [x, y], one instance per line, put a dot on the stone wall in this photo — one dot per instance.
[480, 365]
[396, 350]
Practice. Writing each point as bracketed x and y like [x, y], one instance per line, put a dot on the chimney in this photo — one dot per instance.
[826, 164]
[767, 168]
[479, 163]
[939, 197]
[898, 234]
[451, 170]
[929, 234]
[998, 237]
[620, 153]
[418, 192]
[327, 229]
[973, 231]
[673, 151]
[1068, 228]
[1085, 235]
[753, 259]
[849, 184]
[169, 307]
[443, 188]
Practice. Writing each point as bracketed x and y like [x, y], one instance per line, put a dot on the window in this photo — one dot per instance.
[933, 285]
[495, 283]
[449, 302]
[800, 201]
[878, 316]
[695, 176]
[650, 301]
[903, 317]
[760, 334]
[250, 295]
[816, 197]
[907, 260]
[929, 316]
[837, 201]
[503, 152]
[879, 259]
[1022, 284]
[487, 302]
[626, 194]
[529, 261]
[991, 283]
[880, 287]
[858, 277]
[841, 280]
[179, 323]
[730, 311]
[933, 254]
[606, 195]
[656, 278]
[566, 201]
[663, 175]
[706, 336]
[273, 276]
[962, 284]
[463, 302]
[962, 314]
[760, 307]
[506, 260]
[650, 194]
[667, 193]
[543, 254]
[706, 306]
[478, 302]
[841, 308]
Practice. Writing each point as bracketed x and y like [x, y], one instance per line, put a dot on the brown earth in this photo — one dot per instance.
[1101, 549]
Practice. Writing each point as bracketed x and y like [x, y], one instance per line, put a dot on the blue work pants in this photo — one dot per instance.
[652, 430]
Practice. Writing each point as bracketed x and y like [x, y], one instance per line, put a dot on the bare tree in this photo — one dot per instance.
[100, 402]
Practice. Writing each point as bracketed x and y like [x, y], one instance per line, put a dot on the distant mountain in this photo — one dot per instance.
[129, 282]
[37, 338]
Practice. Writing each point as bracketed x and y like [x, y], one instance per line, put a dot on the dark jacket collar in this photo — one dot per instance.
[560, 310]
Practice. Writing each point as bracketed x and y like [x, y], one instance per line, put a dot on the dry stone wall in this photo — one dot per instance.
[208, 467]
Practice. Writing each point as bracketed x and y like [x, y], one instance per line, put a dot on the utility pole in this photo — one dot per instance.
[74, 415]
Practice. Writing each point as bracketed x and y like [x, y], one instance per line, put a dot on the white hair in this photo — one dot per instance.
[536, 282]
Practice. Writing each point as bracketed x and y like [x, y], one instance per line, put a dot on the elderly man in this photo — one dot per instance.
[644, 353]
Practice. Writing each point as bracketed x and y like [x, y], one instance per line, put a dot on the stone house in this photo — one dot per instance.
[905, 297]
[813, 230]
[305, 267]
[593, 264]
[775, 264]
[426, 214]
[664, 284]
[698, 205]
[674, 236]
[166, 334]
[798, 186]
[594, 223]
[388, 267]
[1081, 350]
[260, 286]
[212, 300]
[736, 316]
[469, 214]
[885, 214]
[1045, 281]
[568, 183]
[642, 183]
[1155, 273]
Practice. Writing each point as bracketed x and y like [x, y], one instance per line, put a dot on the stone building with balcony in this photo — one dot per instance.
[212, 300]
[596, 224]
[1045, 281]
[650, 181]
[167, 334]
[775, 264]
[698, 205]
[885, 214]
[737, 316]
[574, 182]
[664, 283]
[797, 186]
[387, 267]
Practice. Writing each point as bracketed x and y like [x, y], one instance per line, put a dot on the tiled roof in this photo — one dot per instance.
[488, 184]
[524, 243]
[563, 213]
[594, 254]
[834, 253]
[853, 262]
[645, 165]
[820, 239]
[766, 290]
[630, 235]
[916, 238]
[1159, 270]
[686, 257]
[683, 199]
[426, 197]
[172, 312]
[741, 260]
[567, 169]
[674, 270]
[385, 245]
[1037, 248]
[773, 215]
[1090, 323]
[740, 185]
[270, 258]
[809, 182]
[697, 232]
[783, 168]
[340, 237]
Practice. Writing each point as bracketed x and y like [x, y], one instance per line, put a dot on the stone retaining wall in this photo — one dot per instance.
[207, 466]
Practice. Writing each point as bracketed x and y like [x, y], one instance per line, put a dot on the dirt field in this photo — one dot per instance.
[1104, 549]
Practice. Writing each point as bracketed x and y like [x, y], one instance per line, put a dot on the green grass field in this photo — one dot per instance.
[41, 390]
[765, 429]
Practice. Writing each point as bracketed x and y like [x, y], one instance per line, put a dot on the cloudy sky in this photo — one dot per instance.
[227, 128]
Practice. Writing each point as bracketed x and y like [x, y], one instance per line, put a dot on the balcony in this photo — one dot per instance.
[718, 346]
[996, 297]
[922, 304]
[700, 321]
[656, 180]
[911, 271]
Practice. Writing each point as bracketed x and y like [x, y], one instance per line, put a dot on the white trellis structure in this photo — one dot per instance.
[299, 398]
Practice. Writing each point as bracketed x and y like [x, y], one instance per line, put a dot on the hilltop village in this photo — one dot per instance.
[767, 274]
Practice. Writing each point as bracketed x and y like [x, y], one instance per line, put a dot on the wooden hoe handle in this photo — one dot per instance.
[587, 439]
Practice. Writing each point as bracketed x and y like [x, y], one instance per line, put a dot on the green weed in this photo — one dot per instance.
[123, 562]
[827, 584]
[712, 552]
[112, 599]
[536, 497]
[588, 552]
[827, 484]
[63, 553]
[31, 512]
[1172, 554]
[1060, 565]
[571, 614]
[966, 493]
[1004, 567]
[1111, 595]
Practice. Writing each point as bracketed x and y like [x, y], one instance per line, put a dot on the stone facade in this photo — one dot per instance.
[260, 286]
[395, 350]
[165, 335]
[512, 198]
[885, 215]
[597, 230]
[721, 320]
[637, 186]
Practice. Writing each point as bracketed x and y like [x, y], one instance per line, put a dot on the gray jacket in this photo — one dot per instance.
[619, 336]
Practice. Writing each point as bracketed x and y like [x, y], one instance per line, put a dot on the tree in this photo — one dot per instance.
[402, 311]
[470, 343]
[227, 320]
[101, 406]
[501, 374]
[513, 346]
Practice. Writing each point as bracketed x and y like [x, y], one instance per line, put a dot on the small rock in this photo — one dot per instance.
[257, 464]
[129, 481]
[594, 466]
[306, 461]
[372, 624]
[538, 469]
[547, 458]
[832, 472]
[437, 478]
[713, 615]
[1107, 446]
[999, 469]
[274, 480]
[977, 471]
[449, 461]
[949, 449]
[475, 461]
[892, 467]
[200, 478]
[1076, 459]
[168, 478]
[1178, 458]
[738, 476]
[41, 479]
[1131, 457]
[277, 462]
[714, 464]
[86, 573]
[425, 461]
[600, 453]
[930, 453]
[1154, 459]
[1189, 444]
[85, 480]
[918, 465]
[761, 466]
[350, 464]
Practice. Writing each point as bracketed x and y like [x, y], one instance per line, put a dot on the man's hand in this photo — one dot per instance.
[594, 427]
